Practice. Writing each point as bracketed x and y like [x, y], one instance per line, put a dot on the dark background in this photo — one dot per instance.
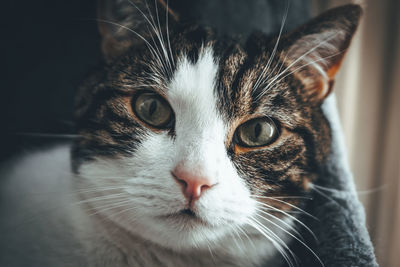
[47, 47]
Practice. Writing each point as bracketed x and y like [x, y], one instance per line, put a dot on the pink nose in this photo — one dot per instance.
[193, 185]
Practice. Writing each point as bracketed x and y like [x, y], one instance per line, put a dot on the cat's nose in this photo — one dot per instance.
[192, 184]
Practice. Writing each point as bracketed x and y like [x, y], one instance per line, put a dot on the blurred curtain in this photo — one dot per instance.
[368, 91]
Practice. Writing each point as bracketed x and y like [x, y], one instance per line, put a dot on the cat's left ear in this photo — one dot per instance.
[315, 51]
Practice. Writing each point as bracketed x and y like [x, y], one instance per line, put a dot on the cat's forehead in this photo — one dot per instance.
[191, 90]
[221, 72]
[235, 78]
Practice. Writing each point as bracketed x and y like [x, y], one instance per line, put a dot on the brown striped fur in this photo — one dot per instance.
[108, 127]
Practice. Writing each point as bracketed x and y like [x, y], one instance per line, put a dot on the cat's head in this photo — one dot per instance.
[186, 138]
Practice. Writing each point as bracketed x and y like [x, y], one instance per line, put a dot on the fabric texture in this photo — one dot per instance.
[341, 237]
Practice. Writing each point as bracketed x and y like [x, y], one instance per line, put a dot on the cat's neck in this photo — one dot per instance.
[131, 250]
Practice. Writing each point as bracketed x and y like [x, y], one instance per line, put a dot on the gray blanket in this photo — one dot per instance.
[339, 223]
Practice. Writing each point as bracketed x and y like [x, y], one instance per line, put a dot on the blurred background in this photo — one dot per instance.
[49, 46]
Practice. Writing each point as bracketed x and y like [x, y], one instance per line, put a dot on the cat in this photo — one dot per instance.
[192, 150]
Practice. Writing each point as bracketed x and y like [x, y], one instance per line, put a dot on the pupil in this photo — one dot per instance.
[153, 107]
[257, 130]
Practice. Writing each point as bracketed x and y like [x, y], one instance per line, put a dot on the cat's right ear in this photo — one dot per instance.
[315, 51]
[125, 23]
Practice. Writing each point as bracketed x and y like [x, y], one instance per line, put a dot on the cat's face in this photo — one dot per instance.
[187, 139]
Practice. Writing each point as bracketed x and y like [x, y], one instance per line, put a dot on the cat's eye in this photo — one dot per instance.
[256, 132]
[153, 110]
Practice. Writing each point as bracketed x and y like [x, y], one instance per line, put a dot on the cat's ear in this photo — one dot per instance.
[125, 23]
[314, 51]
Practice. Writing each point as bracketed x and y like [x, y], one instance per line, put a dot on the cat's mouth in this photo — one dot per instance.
[186, 217]
[188, 212]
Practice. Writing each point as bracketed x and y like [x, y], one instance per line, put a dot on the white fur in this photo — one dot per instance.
[200, 146]
[128, 198]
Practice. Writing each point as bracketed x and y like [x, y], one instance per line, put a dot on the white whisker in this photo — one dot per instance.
[98, 189]
[292, 217]
[50, 135]
[162, 42]
[289, 204]
[284, 197]
[296, 238]
[243, 231]
[151, 48]
[167, 28]
[279, 75]
[305, 65]
[103, 208]
[266, 68]
[281, 221]
[279, 244]
[322, 193]
[102, 198]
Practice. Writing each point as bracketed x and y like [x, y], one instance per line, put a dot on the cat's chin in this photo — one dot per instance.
[182, 231]
[186, 232]
[186, 218]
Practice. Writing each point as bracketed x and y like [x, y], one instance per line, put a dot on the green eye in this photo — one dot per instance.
[153, 110]
[256, 132]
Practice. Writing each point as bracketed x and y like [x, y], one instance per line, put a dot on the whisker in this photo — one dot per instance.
[159, 52]
[281, 221]
[102, 198]
[123, 211]
[167, 28]
[211, 253]
[158, 34]
[234, 238]
[289, 204]
[50, 135]
[243, 231]
[98, 189]
[110, 207]
[302, 67]
[151, 48]
[278, 76]
[323, 194]
[359, 192]
[151, 23]
[104, 177]
[162, 42]
[283, 197]
[276, 238]
[296, 238]
[265, 69]
[292, 217]
[279, 244]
